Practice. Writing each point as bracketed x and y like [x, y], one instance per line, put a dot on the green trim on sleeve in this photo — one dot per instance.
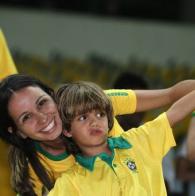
[117, 94]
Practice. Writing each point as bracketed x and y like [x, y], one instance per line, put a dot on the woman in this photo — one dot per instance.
[29, 120]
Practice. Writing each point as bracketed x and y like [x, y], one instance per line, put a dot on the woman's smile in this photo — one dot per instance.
[35, 114]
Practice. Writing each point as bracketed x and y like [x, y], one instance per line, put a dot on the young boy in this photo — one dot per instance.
[125, 165]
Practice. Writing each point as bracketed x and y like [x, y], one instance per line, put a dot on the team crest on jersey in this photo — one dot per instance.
[131, 165]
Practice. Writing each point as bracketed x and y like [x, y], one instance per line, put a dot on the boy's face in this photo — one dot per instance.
[89, 129]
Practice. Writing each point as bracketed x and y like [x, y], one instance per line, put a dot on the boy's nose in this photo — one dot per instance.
[93, 122]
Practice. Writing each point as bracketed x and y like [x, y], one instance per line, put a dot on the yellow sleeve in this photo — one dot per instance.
[7, 65]
[123, 101]
[64, 186]
[116, 129]
[156, 137]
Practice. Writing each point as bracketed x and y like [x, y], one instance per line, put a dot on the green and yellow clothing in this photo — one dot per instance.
[124, 101]
[7, 66]
[134, 168]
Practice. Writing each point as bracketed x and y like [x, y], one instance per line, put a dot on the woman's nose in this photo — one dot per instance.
[42, 117]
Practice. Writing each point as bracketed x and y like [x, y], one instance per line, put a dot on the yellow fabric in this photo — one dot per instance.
[56, 168]
[150, 143]
[121, 105]
[123, 101]
[7, 66]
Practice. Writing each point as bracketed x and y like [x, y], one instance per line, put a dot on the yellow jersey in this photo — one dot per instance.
[135, 169]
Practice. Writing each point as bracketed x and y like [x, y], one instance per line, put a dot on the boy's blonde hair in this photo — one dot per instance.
[81, 97]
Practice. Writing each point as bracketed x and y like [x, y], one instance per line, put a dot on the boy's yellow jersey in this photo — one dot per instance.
[136, 168]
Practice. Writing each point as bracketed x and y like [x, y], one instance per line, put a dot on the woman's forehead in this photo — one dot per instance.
[25, 99]
[29, 91]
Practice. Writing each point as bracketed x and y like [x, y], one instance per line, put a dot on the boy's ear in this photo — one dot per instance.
[67, 133]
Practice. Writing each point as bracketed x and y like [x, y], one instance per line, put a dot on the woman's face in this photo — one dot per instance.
[35, 114]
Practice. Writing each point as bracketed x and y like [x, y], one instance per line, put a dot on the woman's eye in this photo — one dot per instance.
[42, 102]
[26, 117]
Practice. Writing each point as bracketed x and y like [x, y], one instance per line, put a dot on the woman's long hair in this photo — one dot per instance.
[22, 151]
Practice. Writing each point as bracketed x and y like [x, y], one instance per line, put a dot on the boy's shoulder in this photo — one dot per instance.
[159, 123]
[69, 173]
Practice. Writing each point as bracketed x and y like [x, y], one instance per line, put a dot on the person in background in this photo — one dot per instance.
[185, 160]
[191, 139]
[183, 180]
[185, 170]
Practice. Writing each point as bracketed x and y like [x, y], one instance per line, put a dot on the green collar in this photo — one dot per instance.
[50, 156]
[114, 142]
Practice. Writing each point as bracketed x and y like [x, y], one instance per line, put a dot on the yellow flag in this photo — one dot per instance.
[7, 65]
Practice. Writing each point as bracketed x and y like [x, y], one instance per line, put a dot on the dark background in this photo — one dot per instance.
[179, 11]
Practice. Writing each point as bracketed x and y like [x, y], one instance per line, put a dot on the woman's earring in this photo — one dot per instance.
[10, 130]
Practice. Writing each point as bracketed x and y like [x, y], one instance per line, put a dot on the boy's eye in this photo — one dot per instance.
[101, 114]
[82, 117]
[98, 115]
